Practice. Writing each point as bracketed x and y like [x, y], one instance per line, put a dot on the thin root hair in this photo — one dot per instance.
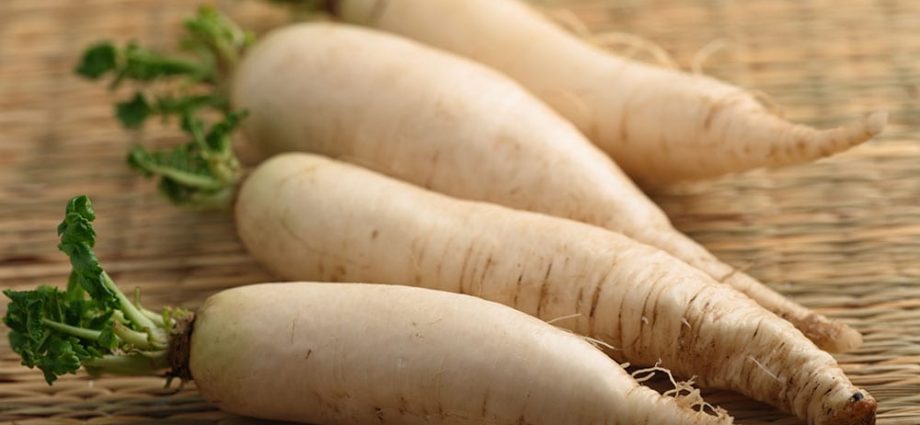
[635, 43]
[775, 108]
[697, 68]
[572, 23]
[684, 392]
[703, 55]
[599, 343]
[764, 368]
[561, 318]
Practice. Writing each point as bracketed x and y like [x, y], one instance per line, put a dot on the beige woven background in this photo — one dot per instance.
[841, 235]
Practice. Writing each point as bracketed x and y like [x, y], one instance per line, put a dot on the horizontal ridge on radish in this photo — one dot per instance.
[462, 129]
[660, 125]
[306, 217]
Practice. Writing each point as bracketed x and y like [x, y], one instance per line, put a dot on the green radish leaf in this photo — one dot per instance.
[55, 353]
[132, 113]
[98, 60]
[203, 171]
[143, 65]
[60, 331]
[77, 240]
[212, 35]
[169, 105]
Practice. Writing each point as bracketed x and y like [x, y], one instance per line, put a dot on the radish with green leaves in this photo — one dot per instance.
[328, 353]
[420, 115]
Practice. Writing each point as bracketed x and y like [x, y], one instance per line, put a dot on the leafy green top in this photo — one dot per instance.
[92, 323]
[204, 170]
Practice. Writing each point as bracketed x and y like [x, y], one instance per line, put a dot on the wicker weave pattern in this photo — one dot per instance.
[841, 235]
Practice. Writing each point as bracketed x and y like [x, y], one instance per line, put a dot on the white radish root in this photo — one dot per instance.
[306, 217]
[371, 354]
[660, 125]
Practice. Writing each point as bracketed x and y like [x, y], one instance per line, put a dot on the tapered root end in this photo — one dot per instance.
[800, 143]
[840, 139]
[843, 138]
[860, 411]
[829, 335]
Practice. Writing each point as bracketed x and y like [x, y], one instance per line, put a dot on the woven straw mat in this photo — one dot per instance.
[841, 235]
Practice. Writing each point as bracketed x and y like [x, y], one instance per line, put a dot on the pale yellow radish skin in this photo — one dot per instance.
[307, 217]
[356, 354]
[660, 125]
[459, 128]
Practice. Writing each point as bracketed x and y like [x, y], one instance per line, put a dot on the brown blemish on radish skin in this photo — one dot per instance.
[544, 288]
